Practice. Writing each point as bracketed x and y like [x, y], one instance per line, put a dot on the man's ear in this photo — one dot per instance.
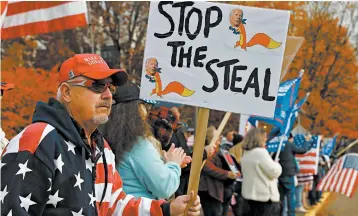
[65, 92]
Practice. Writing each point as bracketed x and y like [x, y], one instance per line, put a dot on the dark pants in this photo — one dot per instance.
[314, 196]
[211, 206]
[262, 208]
[228, 191]
[287, 189]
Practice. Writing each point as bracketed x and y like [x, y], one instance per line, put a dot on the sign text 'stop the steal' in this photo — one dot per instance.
[219, 56]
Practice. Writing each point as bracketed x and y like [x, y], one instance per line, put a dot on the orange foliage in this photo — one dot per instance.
[18, 104]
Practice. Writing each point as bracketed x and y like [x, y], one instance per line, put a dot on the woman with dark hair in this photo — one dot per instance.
[143, 172]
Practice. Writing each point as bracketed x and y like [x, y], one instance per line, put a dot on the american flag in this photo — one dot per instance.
[342, 177]
[308, 162]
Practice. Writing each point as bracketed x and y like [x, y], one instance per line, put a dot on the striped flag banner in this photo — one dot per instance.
[21, 18]
[308, 162]
[342, 177]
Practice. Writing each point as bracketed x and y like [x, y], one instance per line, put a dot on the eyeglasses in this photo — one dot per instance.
[97, 86]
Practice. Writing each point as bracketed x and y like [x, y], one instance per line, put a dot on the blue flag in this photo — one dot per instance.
[273, 144]
[287, 94]
[329, 147]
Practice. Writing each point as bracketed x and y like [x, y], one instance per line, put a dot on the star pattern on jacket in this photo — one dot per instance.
[4, 193]
[89, 164]
[50, 184]
[79, 181]
[26, 202]
[93, 199]
[59, 163]
[79, 213]
[23, 169]
[70, 147]
[54, 199]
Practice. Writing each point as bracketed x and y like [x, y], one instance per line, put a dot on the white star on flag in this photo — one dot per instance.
[3, 194]
[89, 164]
[50, 184]
[77, 213]
[70, 147]
[93, 199]
[54, 199]
[59, 163]
[79, 181]
[23, 169]
[26, 202]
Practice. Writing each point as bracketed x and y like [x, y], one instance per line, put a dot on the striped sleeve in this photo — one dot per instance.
[121, 203]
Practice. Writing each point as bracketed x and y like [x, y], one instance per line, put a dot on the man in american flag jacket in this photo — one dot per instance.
[60, 164]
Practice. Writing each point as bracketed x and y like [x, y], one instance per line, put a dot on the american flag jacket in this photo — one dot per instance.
[49, 169]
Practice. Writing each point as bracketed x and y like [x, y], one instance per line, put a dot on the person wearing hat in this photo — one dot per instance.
[287, 187]
[3, 141]
[61, 164]
[134, 143]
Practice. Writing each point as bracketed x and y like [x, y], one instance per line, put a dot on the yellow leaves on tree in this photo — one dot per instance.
[31, 86]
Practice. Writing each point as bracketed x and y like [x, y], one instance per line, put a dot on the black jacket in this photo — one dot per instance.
[287, 158]
[179, 140]
[49, 169]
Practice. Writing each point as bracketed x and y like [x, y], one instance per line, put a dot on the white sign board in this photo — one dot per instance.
[218, 56]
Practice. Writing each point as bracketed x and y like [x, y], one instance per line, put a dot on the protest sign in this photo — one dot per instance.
[217, 56]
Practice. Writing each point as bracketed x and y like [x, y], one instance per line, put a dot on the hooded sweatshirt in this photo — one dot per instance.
[50, 169]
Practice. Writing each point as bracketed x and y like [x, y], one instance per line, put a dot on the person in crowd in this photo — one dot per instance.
[3, 141]
[213, 181]
[314, 195]
[61, 164]
[238, 204]
[180, 141]
[227, 141]
[139, 161]
[260, 173]
[287, 186]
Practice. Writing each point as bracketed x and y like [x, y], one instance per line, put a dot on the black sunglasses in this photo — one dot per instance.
[97, 86]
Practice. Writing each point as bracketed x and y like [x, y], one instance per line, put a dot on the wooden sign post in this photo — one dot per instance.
[199, 143]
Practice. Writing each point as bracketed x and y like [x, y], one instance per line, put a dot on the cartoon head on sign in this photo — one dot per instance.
[152, 73]
[237, 27]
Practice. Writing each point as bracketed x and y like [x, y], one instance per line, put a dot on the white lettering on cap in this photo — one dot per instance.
[94, 60]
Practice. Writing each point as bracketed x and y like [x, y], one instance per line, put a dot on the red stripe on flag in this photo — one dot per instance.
[3, 6]
[354, 186]
[309, 154]
[339, 184]
[155, 208]
[347, 180]
[100, 173]
[30, 139]
[132, 207]
[103, 210]
[307, 162]
[307, 171]
[26, 6]
[331, 176]
[59, 24]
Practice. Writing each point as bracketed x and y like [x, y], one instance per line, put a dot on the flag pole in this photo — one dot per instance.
[90, 25]
[346, 148]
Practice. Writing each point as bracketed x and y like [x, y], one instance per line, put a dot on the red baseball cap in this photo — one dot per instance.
[92, 66]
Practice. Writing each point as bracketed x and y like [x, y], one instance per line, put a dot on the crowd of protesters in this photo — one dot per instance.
[139, 158]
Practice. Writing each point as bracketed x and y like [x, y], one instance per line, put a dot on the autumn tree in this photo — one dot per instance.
[329, 57]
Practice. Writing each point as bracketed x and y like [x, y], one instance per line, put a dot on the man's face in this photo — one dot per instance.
[152, 65]
[236, 17]
[89, 106]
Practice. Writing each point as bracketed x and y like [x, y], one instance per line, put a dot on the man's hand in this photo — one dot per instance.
[308, 137]
[177, 207]
[231, 175]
